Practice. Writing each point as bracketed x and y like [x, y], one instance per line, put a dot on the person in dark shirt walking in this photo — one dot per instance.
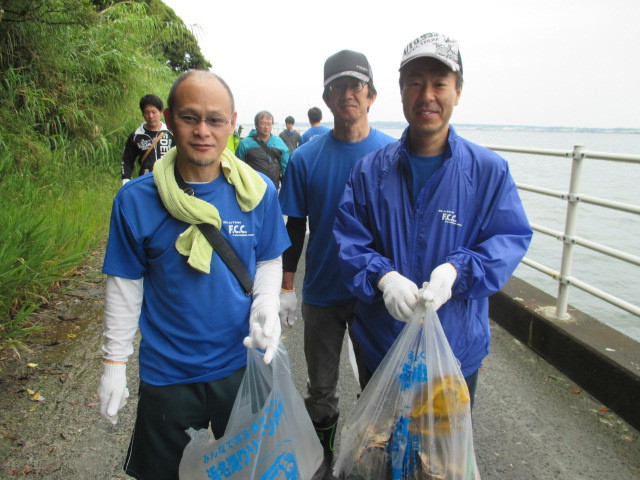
[290, 136]
[151, 140]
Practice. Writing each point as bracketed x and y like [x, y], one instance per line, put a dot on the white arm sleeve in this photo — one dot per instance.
[267, 281]
[122, 311]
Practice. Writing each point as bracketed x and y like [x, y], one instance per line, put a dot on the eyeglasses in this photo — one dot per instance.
[355, 86]
[265, 124]
[192, 121]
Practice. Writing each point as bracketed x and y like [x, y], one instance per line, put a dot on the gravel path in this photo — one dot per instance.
[530, 421]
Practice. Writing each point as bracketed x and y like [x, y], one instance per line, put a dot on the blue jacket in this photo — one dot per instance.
[468, 213]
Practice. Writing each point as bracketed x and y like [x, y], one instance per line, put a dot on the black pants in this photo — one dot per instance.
[324, 330]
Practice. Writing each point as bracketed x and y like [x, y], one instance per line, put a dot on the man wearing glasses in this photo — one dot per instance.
[164, 276]
[263, 151]
[315, 180]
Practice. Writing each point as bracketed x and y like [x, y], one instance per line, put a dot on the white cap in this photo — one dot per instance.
[434, 45]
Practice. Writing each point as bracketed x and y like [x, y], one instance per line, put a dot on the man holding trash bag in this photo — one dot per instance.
[164, 276]
[431, 210]
[312, 187]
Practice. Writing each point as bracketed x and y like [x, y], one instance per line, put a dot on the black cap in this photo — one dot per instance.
[347, 63]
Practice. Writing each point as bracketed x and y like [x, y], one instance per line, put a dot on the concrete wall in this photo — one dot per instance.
[601, 360]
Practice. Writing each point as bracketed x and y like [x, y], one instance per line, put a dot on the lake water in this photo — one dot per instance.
[600, 178]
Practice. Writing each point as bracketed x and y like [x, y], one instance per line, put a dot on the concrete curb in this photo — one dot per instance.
[603, 361]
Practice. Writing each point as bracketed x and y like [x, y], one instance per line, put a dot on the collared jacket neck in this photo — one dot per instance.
[452, 140]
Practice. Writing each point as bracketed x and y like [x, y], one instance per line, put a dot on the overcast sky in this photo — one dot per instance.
[545, 62]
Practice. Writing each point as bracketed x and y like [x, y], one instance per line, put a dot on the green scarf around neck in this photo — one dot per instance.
[249, 187]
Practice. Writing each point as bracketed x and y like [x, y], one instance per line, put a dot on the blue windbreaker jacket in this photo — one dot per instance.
[468, 213]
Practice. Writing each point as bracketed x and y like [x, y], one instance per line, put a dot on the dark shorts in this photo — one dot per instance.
[165, 412]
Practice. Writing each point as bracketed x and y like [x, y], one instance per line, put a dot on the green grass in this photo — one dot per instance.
[73, 72]
[51, 218]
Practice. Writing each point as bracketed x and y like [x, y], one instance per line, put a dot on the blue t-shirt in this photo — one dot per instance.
[312, 133]
[316, 177]
[422, 168]
[192, 324]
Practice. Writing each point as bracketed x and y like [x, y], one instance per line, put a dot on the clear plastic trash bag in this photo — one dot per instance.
[413, 420]
[269, 434]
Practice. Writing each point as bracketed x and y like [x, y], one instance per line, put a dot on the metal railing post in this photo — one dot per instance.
[569, 233]
[568, 236]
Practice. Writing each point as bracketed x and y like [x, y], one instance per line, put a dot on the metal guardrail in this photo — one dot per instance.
[569, 238]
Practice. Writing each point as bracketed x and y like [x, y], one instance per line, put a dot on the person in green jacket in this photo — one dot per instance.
[234, 140]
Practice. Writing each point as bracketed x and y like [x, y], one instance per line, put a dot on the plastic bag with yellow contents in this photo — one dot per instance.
[413, 420]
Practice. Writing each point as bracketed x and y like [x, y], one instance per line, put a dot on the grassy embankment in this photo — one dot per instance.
[69, 92]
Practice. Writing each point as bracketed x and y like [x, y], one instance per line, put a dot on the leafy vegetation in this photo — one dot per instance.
[71, 75]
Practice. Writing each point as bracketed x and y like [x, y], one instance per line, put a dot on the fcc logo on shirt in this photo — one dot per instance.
[449, 216]
[236, 228]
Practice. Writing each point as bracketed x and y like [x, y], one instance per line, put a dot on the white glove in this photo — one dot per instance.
[264, 329]
[264, 321]
[122, 309]
[438, 289]
[400, 295]
[288, 304]
[125, 180]
[113, 391]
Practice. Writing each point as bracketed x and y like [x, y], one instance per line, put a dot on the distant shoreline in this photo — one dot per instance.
[516, 128]
[474, 126]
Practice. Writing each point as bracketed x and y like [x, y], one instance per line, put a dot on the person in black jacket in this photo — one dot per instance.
[149, 142]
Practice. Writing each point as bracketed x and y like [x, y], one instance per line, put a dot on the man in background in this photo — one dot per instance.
[163, 276]
[263, 151]
[315, 117]
[431, 210]
[149, 142]
[290, 136]
[312, 187]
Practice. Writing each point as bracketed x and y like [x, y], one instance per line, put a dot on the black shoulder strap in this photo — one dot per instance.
[274, 155]
[220, 245]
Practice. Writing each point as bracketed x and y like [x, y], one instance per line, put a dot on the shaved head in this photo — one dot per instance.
[198, 74]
